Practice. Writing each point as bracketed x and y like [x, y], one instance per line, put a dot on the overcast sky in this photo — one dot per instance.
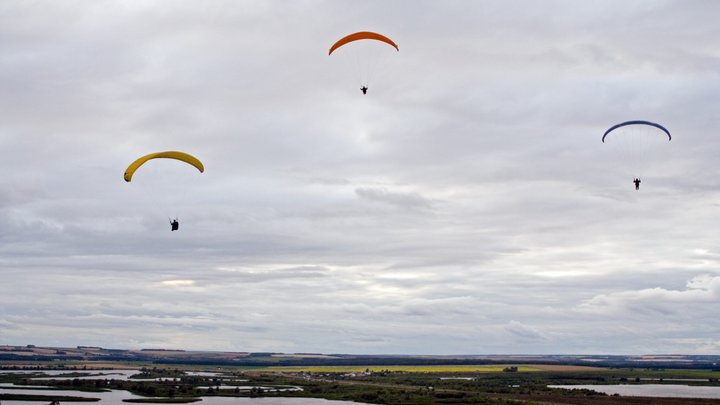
[465, 205]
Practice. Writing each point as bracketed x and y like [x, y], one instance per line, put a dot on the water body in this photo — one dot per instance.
[116, 397]
[651, 390]
[123, 375]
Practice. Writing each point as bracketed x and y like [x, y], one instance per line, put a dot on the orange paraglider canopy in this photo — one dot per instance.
[362, 35]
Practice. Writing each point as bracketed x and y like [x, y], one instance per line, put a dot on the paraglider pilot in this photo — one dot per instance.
[364, 89]
[637, 183]
[174, 225]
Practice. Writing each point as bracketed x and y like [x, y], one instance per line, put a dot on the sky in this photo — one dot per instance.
[465, 205]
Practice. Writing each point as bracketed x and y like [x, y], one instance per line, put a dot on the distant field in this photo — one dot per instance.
[560, 367]
[415, 369]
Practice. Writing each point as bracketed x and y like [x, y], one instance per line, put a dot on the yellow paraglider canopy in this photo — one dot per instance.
[182, 156]
[362, 35]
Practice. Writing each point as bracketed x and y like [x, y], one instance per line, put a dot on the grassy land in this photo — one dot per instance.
[396, 385]
[677, 373]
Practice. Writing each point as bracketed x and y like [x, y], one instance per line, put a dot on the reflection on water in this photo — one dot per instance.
[269, 401]
[650, 390]
[123, 375]
[263, 387]
[116, 397]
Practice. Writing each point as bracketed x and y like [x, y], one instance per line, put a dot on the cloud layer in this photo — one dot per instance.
[464, 205]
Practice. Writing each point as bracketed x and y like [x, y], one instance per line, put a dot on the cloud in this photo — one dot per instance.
[523, 332]
[6, 325]
[179, 283]
[294, 275]
[469, 187]
[700, 293]
[399, 199]
[706, 346]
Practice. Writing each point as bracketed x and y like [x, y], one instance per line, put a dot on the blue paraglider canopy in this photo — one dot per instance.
[637, 122]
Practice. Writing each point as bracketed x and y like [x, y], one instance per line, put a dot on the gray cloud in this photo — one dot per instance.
[466, 198]
[524, 332]
[400, 199]
[700, 293]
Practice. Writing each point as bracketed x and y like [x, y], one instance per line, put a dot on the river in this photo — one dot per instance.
[650, 390]
[116, 397]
